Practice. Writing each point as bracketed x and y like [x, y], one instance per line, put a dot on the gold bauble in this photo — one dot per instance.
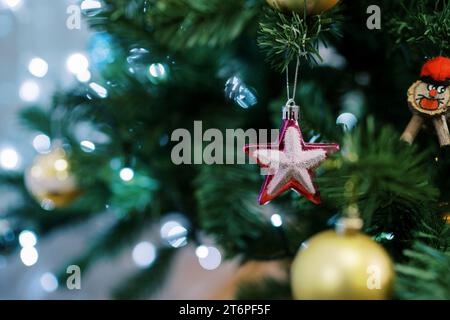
[342, 266]
[446, 217]
[50, 181]
[298, 6]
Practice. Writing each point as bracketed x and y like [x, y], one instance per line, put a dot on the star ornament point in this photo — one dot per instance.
[290, 163]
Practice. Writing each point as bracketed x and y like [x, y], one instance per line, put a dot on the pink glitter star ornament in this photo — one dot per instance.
[290, 163]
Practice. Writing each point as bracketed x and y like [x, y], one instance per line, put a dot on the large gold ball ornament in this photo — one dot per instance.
[342, 266]
[298, 6]
[50, 181]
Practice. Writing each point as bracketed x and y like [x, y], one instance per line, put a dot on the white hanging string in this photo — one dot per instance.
[291, 99]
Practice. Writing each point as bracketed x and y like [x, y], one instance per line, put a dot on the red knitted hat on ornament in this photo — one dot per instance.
[437, 70]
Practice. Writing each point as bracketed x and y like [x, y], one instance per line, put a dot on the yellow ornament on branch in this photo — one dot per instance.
[50, 181]
[312, 7]
[342, 265]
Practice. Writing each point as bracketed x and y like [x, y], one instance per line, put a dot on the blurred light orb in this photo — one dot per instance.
[177, 236]
[166, 227]
[202, 252]
[49, 282]
[77, 63]
[91, 8]
[276, 220]
[138, 56]
[174, 232]
[42, 143]
[84, 76]
[100, 50]
[29, 256]
[347, 120]
[29, 91]
[144, 254]
[212, 260]
[99, 90]
[237, 91]
[61, 165]
[157, 70]
[126, 174]
[38, 67]
[48, 205]
[87, 146]
[12, 4]
[27, 239]
[9, 159]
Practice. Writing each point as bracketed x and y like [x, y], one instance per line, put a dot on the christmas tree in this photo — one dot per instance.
[164, 70]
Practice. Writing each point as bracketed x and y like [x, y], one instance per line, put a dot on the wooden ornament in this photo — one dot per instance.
[428, 101]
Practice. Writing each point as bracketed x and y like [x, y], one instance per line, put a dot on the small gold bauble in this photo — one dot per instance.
[298, 6]
[446, 217]
[342, 266]
[50, 181]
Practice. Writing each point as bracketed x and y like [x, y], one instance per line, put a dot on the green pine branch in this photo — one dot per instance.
[423, 26]
[285, 37]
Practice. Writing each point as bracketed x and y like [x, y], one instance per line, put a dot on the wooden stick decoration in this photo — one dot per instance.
[429, 98]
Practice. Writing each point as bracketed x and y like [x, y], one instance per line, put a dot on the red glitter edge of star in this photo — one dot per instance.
[293, 184]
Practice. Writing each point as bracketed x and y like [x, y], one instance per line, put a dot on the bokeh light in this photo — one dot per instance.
[42, 143]
[38, 67]
[13, 4]
[9, 159]
[144, 254]
[29, 256]
[126, 174]
[212, 260]
[29, 91]
[27, 239]
[49, 282]
[77, 63]
[87, 146]
[276, 220]
[84, 76]
[99, 90]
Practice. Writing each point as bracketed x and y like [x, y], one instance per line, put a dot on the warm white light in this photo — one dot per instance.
[101, 91]
[84, 76]
[202, 252]
[276, 220]
[29, 256]
[126, 174]
[77, 63]
[13, 4]
[87, 146]
[61, 165]
[212, 260]
[27, 239]
[42, 143]
[9, 159]
[49, 282]
[157, 70]
[38, 67]
[29, 91]
[90, 4]
[144, 254]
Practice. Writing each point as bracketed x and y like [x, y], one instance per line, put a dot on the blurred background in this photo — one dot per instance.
[35, 45]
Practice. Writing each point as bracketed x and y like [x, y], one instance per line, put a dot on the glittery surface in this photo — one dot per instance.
[290, 163]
